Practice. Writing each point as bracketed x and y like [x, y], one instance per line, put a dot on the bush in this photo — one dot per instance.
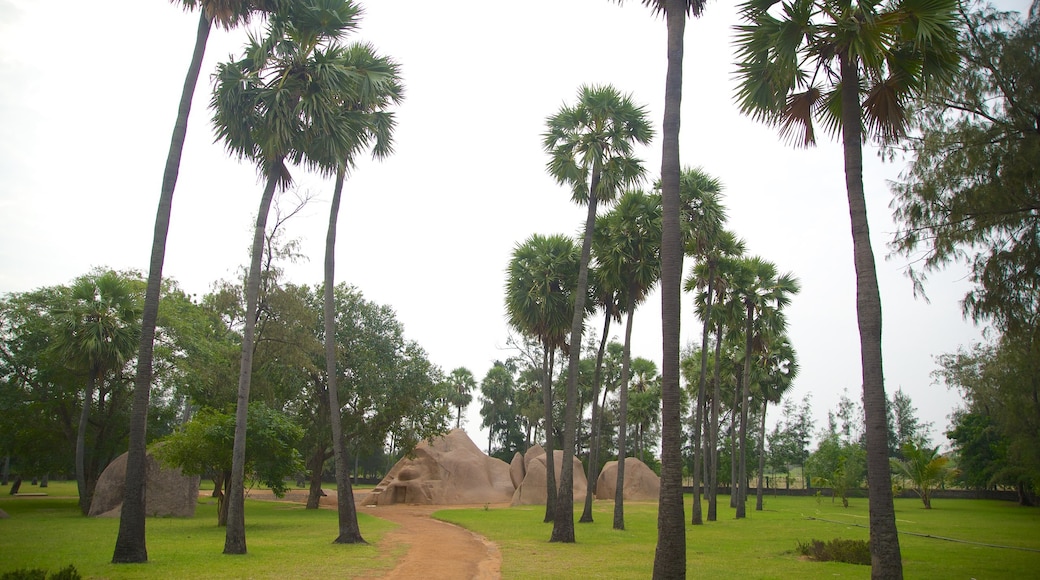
[837, 550]
[67, 573]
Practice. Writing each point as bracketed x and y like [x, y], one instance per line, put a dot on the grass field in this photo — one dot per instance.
[286, 541]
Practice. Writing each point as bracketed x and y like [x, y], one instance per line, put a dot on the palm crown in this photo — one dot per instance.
[789, 67]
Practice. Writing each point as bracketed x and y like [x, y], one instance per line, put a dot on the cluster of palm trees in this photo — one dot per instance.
[553, 286]
[298, 96]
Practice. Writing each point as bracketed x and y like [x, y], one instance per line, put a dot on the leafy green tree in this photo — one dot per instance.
[282, 102]
[498, 405]
[98, 328]
[836, 463]
[819, 58]
[970, 192]
[131, 546]
[924, 468]
[789, 439]
[590, 146]
[905, 427]
[204, 445]
[1001, 383]
[540, 284]
[980, 449]
[779, 366]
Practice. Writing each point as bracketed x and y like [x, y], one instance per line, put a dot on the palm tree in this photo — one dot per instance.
[714, 282]
[97, 332]
[632, 264]
[591, 149]
[130, 545]
[540, 299]
[371, 89]
[924, 467]
[702, 219]
[763, 292]
[282, 102]
[461, 383]
[670, 555]
[817, 58]
[780, 368]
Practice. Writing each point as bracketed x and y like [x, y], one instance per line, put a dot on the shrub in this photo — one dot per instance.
[67, 573]
[837, 550]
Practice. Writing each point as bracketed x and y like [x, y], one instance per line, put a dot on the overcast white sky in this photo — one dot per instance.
[89, 95]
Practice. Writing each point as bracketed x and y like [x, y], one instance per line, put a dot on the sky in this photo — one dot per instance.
[89, 97]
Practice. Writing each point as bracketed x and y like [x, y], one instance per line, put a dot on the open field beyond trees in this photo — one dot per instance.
[287, 541]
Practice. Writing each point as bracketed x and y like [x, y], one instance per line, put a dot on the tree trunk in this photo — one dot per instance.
[130, 543]
[884, 540]
[745, 401]
[315, 465]
[563, 525]
[761, 456]
[697, 518]
[670, 554]
[81, 445]
[220, 492]
[716, 402]
[734, 488]
[593, 467]
[548, 356]
[235, 538]
[622, 437]
[349, 530]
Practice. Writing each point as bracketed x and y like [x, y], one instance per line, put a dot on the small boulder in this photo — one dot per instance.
[641, 483]
[531, 490]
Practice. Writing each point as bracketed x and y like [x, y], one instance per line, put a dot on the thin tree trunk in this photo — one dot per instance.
[626, 363]
[716, 402]
[734, 487]
[745, 400]
[548, 361]
[697, 518]
[315, 463]
[761, 455]
[130, 543]
[81, 445]
[884, 540]
[593, 467]
[349, 530]
[563, 525]
[670, 553]
[235, 538]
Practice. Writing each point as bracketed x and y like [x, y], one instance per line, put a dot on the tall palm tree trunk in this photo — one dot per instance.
[734, 489]
[548, 356]
[563, 525]
[593, 467]
[670, 554]
[622, 437]
[235, 537]
[349, 531]
[697, 517]
[745, 401]
[884, 540]
[716, 402]
[761, 455]
[130, 543]
[82, 485]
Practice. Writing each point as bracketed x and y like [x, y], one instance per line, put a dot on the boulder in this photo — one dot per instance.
[641, 483]
[447, 470]
[516, 469]
[168, 492]
[531, 490]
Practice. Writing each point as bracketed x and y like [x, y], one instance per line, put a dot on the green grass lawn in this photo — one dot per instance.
[286, 541]
[764, 545]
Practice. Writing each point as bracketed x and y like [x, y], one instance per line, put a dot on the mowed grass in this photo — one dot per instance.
[286, 541]
[765, 544]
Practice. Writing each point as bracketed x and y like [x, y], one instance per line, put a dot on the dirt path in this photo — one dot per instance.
[436, 550]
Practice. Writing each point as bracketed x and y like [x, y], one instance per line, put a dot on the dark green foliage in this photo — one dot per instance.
[67, 573]
[837, 550]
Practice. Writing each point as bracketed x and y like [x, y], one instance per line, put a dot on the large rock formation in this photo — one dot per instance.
[641, 483]
[531, 490]
[447, 470]
[168, 492]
